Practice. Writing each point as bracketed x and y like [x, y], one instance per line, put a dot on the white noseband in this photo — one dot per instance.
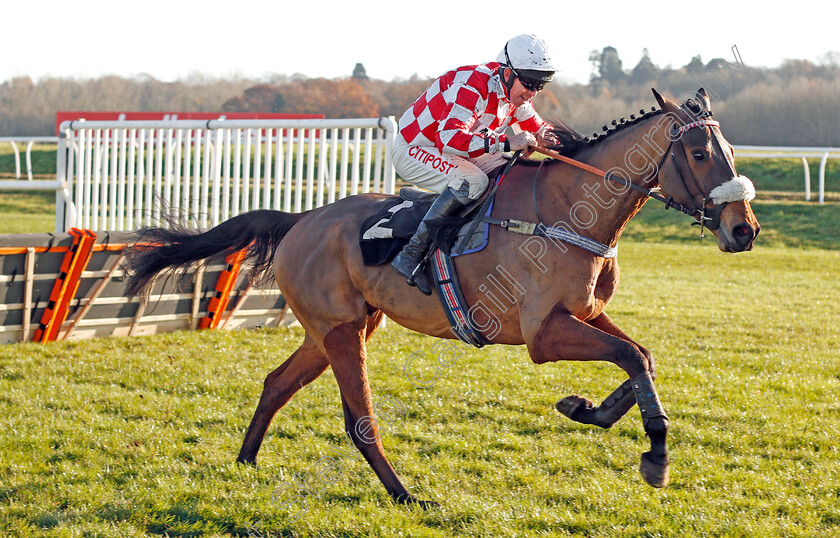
[737, 189]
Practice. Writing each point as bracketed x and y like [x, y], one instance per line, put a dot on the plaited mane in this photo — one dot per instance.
[570, 141]
[617, 125]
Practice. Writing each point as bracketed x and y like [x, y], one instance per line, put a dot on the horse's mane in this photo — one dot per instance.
[569, 141]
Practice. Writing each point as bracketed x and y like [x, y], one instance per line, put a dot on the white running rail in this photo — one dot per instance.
[30, 141]
[775, 152]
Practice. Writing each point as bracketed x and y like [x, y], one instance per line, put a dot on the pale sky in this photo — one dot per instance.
[172, 39]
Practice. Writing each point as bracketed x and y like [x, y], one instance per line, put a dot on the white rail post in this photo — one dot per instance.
[246, 173]
[367, 160]
[377, 165]
[168, 173]
[29, 159]
[267, 168]
[345, 153]
[216, 176]
[86, 178]
[287, 174]
[390, 134]
[95, 190]
[226, 176]
[354, 172]
[331, 174]
[186, 177]
[175, 201]
[257, 172]
[113, 175]
[236, 206]
[17, 158]
[64, 209]
[278, 169]
[299, 172]
[822, 178]
[129, 182]
[807, 179]
[121, 179]
[140, 179]
[310, 167]
[150, 178]
[322, 168]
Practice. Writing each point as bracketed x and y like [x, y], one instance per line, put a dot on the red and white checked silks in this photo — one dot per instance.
[461, 103]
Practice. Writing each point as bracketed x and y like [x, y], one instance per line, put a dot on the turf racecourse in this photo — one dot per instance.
[137, 436]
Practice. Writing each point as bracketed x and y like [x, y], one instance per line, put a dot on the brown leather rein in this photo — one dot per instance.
[651, 193]
[700, 214]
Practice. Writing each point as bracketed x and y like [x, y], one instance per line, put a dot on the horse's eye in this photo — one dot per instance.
[700, 156]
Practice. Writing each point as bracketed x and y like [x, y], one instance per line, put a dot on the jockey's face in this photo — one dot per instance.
[519, 95]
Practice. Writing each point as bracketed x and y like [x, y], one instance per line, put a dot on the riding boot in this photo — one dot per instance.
[408, 261]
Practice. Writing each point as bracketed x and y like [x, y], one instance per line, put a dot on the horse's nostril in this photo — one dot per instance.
[743, 233]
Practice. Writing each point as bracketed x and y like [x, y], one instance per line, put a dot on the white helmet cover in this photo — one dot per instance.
[527, 53]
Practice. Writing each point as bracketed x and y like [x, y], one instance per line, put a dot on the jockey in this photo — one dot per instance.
[455, 133]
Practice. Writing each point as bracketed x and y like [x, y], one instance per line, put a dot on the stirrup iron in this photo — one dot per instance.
[410, 279]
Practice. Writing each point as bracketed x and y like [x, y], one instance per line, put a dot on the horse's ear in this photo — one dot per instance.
[704, 100]
[664, 103]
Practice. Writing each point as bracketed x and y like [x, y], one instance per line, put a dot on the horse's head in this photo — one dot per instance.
[699, 172]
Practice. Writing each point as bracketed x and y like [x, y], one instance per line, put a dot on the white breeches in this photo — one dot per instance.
[429, 168]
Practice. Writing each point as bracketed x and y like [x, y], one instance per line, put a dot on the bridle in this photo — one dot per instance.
[706, 217]
[703, 215]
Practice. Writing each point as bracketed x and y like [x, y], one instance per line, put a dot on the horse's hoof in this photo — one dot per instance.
[579, 409]
[408, 499]
[569, 405]
[249, 462]
[655, 474]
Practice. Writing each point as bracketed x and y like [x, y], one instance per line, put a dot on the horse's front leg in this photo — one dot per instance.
[620, 401]
[563, 337]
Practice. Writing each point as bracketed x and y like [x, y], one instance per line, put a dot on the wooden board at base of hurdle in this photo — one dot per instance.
[72, 286]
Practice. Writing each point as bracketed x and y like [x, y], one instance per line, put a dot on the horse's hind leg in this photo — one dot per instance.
[303, 367]
[345, 347]
[619, 402]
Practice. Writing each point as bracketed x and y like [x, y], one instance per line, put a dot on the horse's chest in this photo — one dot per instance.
[606, 283]
[594, 296]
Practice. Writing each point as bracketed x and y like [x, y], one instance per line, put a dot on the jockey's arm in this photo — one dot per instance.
[527, 119]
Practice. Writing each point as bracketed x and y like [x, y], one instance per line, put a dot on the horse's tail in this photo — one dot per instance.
[156, 249]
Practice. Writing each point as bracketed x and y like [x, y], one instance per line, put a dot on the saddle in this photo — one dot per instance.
[384, 234]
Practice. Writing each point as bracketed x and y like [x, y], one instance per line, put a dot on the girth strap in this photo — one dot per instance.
[552, 232]
[453, 302]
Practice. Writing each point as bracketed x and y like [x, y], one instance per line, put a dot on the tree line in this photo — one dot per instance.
[795, 104]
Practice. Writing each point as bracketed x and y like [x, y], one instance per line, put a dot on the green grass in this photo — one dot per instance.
[27, 212]
[137, 436]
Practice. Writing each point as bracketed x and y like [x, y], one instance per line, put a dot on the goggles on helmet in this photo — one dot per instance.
[531, 80]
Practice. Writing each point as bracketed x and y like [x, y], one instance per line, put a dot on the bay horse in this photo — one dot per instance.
[560, 291]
